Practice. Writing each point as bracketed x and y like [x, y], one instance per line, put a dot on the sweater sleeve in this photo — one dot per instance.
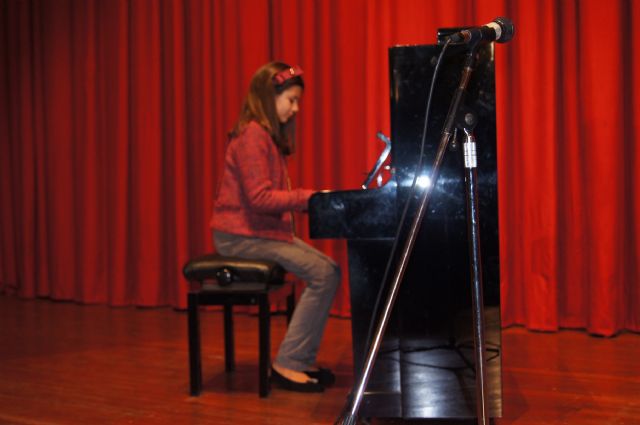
[256, 159]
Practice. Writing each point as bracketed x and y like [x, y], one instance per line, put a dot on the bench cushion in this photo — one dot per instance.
[227, 270]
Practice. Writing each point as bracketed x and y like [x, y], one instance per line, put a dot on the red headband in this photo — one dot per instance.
[288, 73]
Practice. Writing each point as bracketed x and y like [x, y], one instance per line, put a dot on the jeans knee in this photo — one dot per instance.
[332, 274]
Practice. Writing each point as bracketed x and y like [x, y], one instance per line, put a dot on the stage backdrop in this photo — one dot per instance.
[113, 117]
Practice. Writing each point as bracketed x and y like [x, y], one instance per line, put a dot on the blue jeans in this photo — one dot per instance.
[299, 348]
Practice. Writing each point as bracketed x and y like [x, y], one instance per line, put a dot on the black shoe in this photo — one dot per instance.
[287, 384]
[324, 376]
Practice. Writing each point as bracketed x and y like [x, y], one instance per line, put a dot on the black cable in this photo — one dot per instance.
[412, 190]
[403, 216]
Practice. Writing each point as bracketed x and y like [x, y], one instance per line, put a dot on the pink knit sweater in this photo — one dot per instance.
[254, 198]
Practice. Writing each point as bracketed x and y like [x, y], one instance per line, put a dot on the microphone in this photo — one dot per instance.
[499, 30]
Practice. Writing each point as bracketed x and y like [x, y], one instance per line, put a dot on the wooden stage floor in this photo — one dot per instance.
[64, 363]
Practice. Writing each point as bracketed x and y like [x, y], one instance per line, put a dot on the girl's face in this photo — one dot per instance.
[288, 103]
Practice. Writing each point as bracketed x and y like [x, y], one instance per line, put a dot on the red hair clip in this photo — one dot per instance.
[282, 76]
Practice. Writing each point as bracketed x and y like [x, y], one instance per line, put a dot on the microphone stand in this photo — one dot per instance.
[467, 123]
[351, 415]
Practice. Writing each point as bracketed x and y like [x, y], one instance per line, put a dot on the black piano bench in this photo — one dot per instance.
[229, 281]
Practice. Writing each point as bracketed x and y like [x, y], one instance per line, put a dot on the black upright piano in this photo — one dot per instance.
[425, 367]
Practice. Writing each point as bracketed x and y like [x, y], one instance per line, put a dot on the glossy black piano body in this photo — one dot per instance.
[425, 366]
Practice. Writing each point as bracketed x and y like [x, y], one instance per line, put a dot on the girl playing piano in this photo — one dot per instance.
[252, 218]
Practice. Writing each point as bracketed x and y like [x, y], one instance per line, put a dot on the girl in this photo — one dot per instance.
[252, 218]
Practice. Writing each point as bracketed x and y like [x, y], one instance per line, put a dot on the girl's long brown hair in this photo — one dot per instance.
[260, 106]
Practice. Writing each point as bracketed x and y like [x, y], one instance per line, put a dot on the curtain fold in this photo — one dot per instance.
[113, 122]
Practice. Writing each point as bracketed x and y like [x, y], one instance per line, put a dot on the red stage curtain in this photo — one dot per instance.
[113, 118]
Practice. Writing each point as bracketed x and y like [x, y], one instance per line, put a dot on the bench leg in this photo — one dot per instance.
[229, 344]
[195, 367]
[264, 344]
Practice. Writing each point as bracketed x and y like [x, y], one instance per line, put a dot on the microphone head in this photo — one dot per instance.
[506, 29]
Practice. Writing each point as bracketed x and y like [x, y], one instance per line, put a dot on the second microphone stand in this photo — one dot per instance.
[351, 415]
